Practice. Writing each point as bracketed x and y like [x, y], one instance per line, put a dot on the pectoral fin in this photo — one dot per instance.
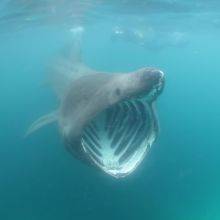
[42, 121]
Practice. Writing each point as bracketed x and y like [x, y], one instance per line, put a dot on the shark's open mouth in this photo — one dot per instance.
[118, 139]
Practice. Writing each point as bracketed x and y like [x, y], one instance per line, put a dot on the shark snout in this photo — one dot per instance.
[152, 77]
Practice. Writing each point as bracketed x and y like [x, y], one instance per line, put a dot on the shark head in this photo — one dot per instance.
[109, 121]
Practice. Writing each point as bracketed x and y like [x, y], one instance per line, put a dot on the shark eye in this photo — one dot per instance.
[118, 92]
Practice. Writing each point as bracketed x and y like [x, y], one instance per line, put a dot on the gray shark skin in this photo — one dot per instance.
[108, 120]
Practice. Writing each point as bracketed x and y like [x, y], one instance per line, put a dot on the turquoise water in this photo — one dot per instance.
[180, 177]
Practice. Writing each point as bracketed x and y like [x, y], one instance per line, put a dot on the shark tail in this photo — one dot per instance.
[41, 122]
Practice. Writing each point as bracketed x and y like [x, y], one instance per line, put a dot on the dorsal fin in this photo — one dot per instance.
[68, 66]
[73, 51]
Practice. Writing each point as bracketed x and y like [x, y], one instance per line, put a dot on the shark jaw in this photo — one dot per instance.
[118, 139]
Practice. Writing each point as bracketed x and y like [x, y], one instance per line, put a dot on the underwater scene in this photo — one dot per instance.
[110, 109]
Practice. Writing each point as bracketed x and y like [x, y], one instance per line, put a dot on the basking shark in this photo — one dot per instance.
[108, 120]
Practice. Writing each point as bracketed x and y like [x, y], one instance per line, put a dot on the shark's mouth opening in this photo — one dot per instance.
[118, 139]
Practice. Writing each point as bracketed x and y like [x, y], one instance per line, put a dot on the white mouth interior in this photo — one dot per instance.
[118, 139]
